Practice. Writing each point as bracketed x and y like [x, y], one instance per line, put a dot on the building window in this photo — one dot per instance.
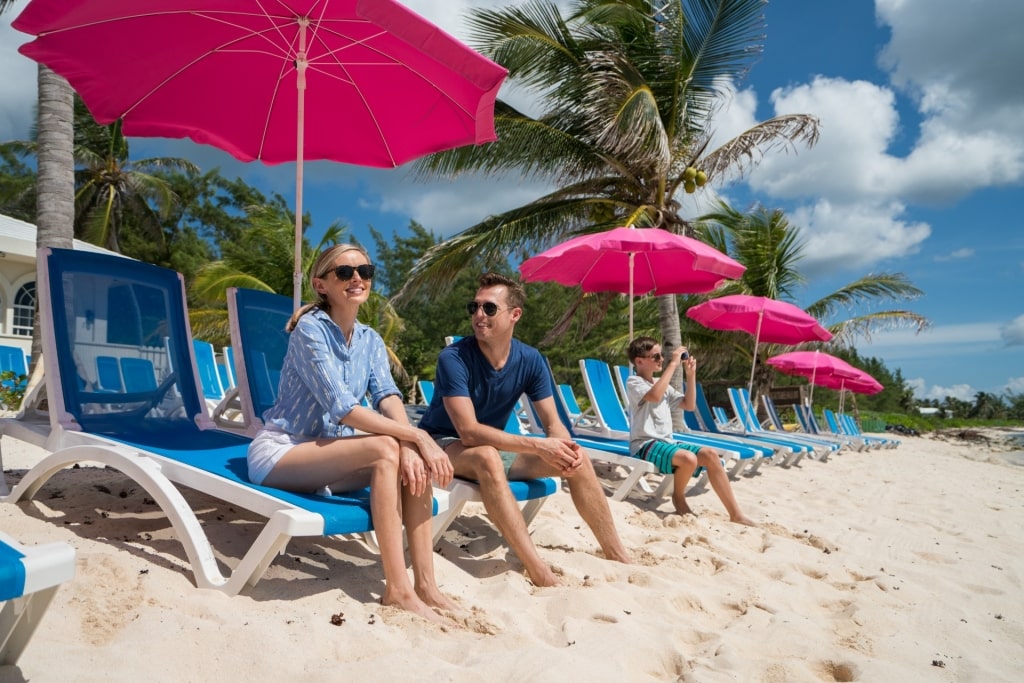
[24, 309]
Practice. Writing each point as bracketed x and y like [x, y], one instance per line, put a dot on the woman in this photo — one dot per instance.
[310, 438]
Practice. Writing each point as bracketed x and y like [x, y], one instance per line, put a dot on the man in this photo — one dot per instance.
[478, 381]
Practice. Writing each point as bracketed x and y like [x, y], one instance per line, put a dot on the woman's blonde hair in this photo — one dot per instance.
[321, 269]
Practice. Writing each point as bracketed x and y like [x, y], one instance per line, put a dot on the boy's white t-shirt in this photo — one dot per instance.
[649, 420]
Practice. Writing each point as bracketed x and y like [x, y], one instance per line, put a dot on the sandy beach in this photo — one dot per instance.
[893, 565]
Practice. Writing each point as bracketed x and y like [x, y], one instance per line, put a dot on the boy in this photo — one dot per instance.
[651, 402]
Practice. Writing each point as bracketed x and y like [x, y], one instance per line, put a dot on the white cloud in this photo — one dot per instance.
[18, 84]
[921, 390]
[1016, 385]
[964, 392]
[957, 254]
[1013, 332]
[854, 236]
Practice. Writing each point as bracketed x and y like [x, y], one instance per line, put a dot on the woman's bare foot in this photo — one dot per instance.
[435, 598]
[413, 603]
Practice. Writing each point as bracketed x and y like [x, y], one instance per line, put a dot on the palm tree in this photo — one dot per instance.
[258, 260]
[770, 248]
[628, 93]
[55, 192]
[112, 189]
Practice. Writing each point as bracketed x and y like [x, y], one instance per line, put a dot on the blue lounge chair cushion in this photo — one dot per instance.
[224, 454]
[12, 572]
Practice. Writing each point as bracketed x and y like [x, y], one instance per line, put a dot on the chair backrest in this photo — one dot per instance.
[622, 373]
[773, 412]
[94, 305]
[209, 376]
[260, 341]
[13, 359]
[604, 402]
[703, 415]
[740, 401]
[139, 374]
[108, 374]
[426, 388]
[572, 405]
[229, 378]
[830, 418]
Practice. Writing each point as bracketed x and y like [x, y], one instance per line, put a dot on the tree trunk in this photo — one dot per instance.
[55, 188]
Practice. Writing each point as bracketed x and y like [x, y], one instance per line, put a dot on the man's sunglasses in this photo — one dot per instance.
[490, 308]
[365, 271]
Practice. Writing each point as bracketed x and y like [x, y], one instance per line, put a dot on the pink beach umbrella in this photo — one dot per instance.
[364, 82]
[633, 261]
[769, 320]
[823, 369]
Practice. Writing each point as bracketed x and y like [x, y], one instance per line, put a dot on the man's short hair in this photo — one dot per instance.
[515, 298]
[640, 347]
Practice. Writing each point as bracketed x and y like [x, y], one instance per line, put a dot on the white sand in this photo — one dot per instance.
[901, 565]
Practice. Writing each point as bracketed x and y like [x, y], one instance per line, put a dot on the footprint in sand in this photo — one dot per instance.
[839, 671]
[105, 612]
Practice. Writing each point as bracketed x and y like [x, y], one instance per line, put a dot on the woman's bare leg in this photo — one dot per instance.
[417, 512]
[348, 464]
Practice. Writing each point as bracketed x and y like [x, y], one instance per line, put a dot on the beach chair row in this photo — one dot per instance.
[741, 441]
[163, 434]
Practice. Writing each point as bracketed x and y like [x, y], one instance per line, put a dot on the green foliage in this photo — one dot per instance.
[12, 389]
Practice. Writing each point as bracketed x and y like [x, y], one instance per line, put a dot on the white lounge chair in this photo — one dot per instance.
[161, 438]
[29, 579]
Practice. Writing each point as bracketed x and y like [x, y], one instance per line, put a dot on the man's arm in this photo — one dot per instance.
[556, 449]
[472, 433]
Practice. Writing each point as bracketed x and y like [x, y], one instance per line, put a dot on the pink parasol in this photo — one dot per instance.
[365, 82]
[825, 370]
[633, 261]
[769, 320]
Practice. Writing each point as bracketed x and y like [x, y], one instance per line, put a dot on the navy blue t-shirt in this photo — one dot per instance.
[462, 370]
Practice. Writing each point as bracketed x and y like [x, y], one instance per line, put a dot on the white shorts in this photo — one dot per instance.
[266, 450]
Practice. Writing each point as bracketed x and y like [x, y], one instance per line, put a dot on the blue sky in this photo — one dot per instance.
[918, 170]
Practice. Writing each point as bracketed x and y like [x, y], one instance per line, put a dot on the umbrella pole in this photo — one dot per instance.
[631, 257]
[814, 373]
[300, 84]
[753, 364]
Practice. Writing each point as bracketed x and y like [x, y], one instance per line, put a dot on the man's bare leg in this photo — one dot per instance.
[483, 463]
[588, 497]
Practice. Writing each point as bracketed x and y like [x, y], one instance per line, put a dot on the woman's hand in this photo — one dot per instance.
[413, 469]
[438, 464]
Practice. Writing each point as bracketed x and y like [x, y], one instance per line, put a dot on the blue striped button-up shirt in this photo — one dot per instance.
[324, 378]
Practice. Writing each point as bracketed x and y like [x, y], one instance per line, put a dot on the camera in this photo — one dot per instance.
[686, 354]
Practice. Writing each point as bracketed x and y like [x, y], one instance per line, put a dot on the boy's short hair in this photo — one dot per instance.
[640, 347]
[515, 297]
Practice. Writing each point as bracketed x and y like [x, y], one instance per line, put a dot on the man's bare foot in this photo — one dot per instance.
[542, 576]
[743, 519]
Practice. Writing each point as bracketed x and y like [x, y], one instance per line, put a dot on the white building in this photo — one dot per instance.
[18, 280]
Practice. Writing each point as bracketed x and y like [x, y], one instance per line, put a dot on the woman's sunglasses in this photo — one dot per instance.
[490, 308]
[365, 271]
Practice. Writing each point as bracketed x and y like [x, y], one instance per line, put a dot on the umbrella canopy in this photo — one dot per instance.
[364, 82]
[769, 320]
[633, 261]
[825, 370]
